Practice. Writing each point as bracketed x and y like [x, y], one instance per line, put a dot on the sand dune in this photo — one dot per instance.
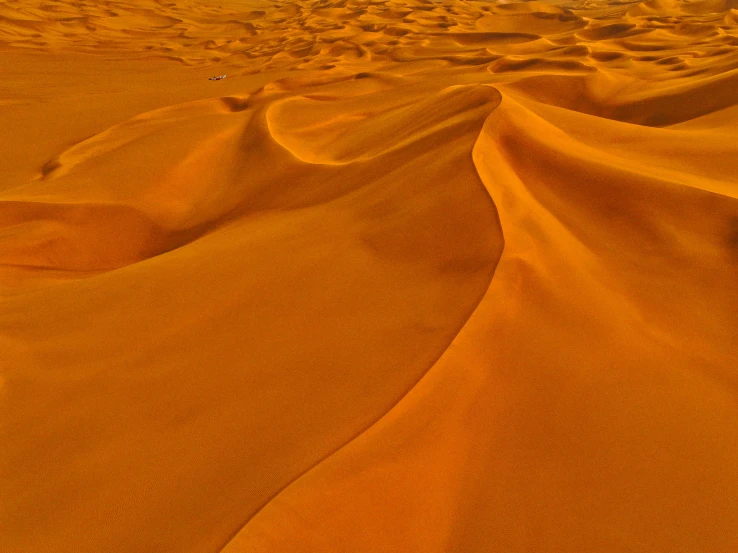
[415, 276]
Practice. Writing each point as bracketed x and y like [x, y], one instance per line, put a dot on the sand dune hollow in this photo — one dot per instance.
[432, 276]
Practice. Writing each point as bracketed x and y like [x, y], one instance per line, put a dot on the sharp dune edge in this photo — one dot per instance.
[433, 276]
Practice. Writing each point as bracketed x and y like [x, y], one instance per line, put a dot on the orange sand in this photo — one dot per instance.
[419, 276]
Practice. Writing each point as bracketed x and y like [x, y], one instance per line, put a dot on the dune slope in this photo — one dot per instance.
[415, 276]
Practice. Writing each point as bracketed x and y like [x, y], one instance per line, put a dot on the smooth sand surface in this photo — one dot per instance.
[419, 276]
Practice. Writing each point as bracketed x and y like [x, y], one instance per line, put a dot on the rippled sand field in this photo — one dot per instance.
[419, 276]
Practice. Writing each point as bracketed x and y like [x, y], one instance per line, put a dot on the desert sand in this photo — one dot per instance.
[419, 276]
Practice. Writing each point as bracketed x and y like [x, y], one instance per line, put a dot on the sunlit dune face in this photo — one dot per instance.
[432, 276]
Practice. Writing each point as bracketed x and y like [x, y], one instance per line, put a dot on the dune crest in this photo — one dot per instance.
[414, 276]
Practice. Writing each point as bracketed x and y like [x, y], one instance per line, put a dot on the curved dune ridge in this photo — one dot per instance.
[415, 276]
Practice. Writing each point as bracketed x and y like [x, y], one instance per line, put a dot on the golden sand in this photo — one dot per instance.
[423, 276]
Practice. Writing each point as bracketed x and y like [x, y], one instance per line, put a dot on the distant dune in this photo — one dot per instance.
[421, 276]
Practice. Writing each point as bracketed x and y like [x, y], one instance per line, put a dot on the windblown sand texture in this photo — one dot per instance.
[419, 276]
